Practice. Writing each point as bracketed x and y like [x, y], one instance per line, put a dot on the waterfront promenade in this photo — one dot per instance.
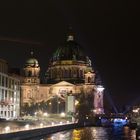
[28, 131]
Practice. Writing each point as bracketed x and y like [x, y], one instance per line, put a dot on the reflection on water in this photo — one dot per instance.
[94, 133]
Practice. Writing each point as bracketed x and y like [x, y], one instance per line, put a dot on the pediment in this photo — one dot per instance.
[63, 83]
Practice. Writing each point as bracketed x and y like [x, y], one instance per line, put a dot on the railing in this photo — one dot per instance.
[9, 129]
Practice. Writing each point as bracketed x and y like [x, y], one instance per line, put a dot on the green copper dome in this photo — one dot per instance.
[69, 63]
[32, 62]
[71, 50]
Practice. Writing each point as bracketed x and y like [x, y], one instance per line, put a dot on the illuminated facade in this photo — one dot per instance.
[9, 93]
[98, 100]
[69, 72]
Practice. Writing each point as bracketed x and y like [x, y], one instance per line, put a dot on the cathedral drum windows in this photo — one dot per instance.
[29, 73]
[81, 74]
[89, 80]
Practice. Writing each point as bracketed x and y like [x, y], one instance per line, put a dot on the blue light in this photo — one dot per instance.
[120, 121]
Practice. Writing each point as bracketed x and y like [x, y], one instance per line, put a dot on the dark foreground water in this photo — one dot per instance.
[94, 133]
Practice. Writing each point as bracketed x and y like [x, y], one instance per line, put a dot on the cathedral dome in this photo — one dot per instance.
[69, 63]
[71, 50]
[31, 69]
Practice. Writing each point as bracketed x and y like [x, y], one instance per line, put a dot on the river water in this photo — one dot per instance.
[94, 133]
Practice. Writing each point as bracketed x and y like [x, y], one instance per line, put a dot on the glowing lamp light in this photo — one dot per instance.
[68, 122]
[62, 114]
[76, 102]
[41, 124]
[7, 129]
[27, 126]
[45, 114]
[135, 110]
[52, 123]
[120, 121]
[100, 88]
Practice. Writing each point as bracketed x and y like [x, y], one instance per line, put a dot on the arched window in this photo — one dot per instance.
[66, 73]
[30, 73]
[89, 79]
[70, 73]
[81, 73]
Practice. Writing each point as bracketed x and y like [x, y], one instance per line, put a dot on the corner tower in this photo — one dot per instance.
[31, 71]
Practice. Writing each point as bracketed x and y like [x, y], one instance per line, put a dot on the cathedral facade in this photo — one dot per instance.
[69, 73]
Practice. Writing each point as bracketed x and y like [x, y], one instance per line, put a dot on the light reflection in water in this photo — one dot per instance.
[95, 133]
[129, 134]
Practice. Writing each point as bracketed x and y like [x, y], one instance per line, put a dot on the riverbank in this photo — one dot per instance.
[32, 133]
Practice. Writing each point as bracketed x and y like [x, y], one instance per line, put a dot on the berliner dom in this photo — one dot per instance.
[69, 75]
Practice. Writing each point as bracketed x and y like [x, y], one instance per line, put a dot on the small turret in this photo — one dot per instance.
[31, 70]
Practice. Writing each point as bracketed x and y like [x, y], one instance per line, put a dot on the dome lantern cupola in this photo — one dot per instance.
[70, 34]
[32, 62]
[70, 38]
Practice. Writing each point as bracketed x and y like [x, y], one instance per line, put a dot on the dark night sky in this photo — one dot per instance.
[108, 30]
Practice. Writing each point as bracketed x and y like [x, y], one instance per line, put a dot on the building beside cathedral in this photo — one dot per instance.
[69, 73]
[9, 93]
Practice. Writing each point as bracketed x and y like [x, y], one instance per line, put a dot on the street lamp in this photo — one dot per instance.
[58, 103]
[50, 107]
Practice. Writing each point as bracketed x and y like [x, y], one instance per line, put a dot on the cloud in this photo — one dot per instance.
[20, 41]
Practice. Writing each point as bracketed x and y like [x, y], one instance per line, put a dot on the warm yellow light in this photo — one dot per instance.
[7, 128]
[136, 110]
[45, 114]
[62, 114]
[27, 126]
[68, 122]
[76, 102]
[41, 124]
[94, 110]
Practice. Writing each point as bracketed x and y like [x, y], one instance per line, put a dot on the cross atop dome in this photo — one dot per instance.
[70, 38]
[32, 53]
[70, 34]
